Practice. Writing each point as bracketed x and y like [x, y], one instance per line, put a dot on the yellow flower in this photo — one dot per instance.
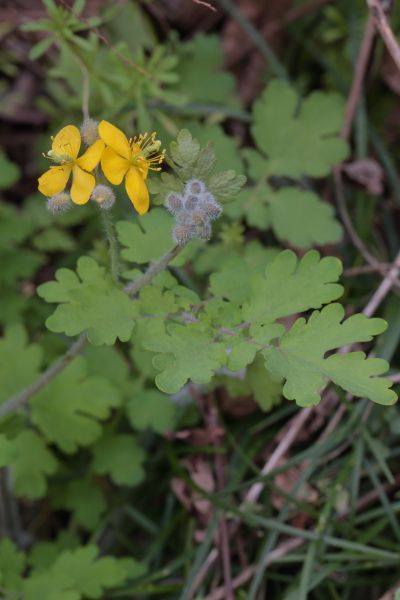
[131, 159]
[64, 151]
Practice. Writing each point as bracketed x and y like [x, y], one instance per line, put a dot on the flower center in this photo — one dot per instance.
[60, 159]
[144, 153]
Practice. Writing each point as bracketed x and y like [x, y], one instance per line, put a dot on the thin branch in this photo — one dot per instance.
[359, 76]
[288, 438]
[385, 30]
[206, 4]
[19, 400]
[384, 288]
[154, 269]
[280, 551]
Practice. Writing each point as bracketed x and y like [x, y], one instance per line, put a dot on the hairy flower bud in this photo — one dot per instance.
[211, 207]
[191, 201]
[89, 131]
[104, 196]
[202, 231]
[182, 233]
[194, 186]
[174, 203]
[59, 203]
[199, 216]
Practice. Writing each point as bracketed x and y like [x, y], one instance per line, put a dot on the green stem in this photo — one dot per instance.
[154, 269]
[113, 249]
[20, 399]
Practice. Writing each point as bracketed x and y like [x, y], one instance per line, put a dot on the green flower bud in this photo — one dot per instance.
[59, 203]
[89, 131]
[104, 196]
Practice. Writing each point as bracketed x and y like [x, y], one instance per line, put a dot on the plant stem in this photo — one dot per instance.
[154, 269]
[20, 399]
[113, 249]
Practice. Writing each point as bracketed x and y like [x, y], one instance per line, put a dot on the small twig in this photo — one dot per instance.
[395, 377]
[366, 269]
[385, 30]
[384, 288]
[207, 4]
[288, 438]
[359, 76]
[280, 551]
[390, 594]
[213, 423]
[345, 216]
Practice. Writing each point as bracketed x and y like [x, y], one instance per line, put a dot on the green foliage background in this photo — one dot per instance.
[101, 495]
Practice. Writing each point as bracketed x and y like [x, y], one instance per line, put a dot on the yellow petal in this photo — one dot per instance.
[114, 166]
[91, 158]
[115, 138]
[82, 185]
[137, 191]
[67, 142]
[54, 180]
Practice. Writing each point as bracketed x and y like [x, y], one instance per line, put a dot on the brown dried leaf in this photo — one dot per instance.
[198, 436]
[368, 173]
[286, 481]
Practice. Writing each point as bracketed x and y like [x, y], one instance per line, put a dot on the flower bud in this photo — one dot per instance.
[191, 201]
[182, 233]
[199, 216]
[203, 231]
[104, 196]
[174, 203]
[194, 186]
[59, 203]
[89, 131]
[211, 207]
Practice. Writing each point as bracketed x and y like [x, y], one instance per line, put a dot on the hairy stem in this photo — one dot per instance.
[154, 269]
[113, 249]
[20, 399]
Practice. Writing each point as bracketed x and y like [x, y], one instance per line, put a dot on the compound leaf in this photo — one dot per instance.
[300, 358]
[76, 574]
[147, 239]
[149, 409]
[188, 352]
[299, 141]
[74, 497]
[289, 286]
[119, 456]
[12, 563]
[69, 409]
[18, 373]
[31, 462]
[92, 303]
[303, 219]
